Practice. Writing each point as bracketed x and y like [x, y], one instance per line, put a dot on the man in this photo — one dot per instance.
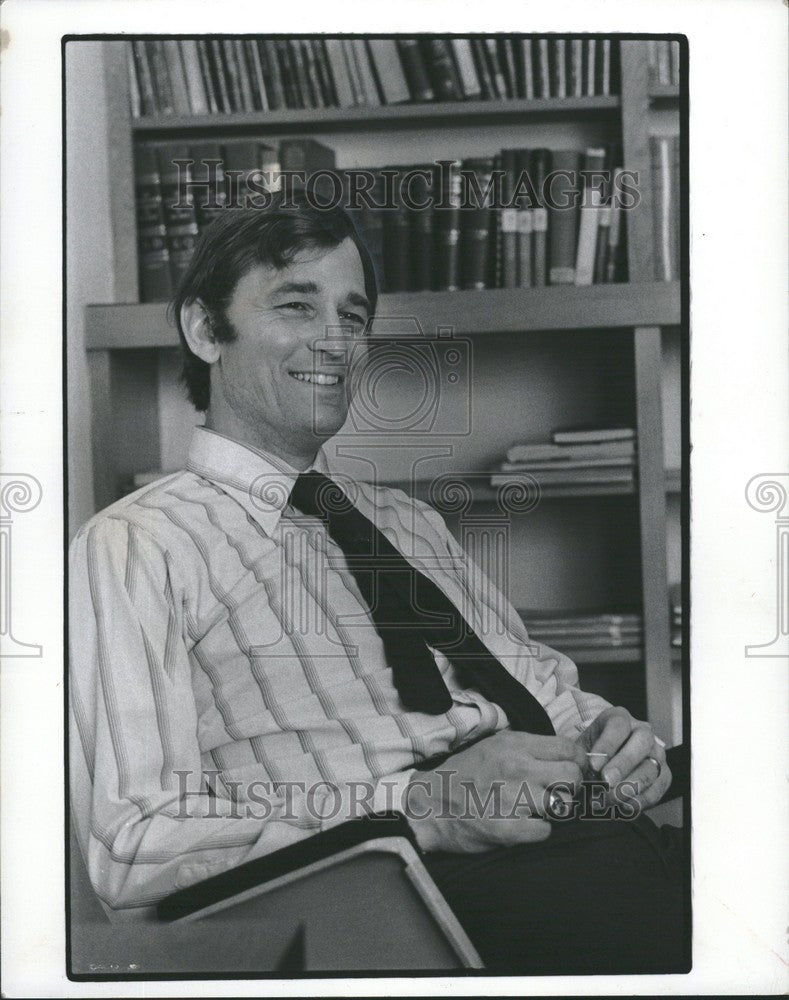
[238, 675]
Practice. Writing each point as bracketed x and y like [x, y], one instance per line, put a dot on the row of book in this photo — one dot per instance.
[429, 227]
[602, 457]
[665, 170]
[663, 62]
[575, 631]
[231, 75]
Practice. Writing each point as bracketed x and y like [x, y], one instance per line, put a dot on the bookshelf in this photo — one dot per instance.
[126, 341]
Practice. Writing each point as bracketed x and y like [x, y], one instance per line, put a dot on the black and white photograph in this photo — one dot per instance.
[377, 633]
[393, 513]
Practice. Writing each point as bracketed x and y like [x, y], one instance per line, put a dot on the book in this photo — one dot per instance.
[135, 97]
[369, 221]
[467, 69]
[508, 220]
[323, 72]
[476, 227]
[354, 74]
[308, 156]
[301, 83]
[591, 66]
[275, 90]
[207, 76]
[180, 217]
[251, 169]
[604, 67]
[664, 158]
[446, 214]
[559, 68]
[563, 217]
[576, 83]
[541, 161]
[557, 477]
[397, 244]
[161, 76]
[527, 58]
[287, 74]
[193, 76]
[479, 53]
[507, 61]
[311, 71]
[248, 102]
[340, 73]
[208, 164]
[154, 257]
[625, 448]
[612, 260]
[365, 71]
[389, 70]
[422, 250]
[495, 67]
[148, 102]
[175, 71]
[221, 87]
[543, 68]
[415, 70]
[525, 220]
[232, 74]
[441, 69]
[603, 461]
[583, 435]
[586, 250]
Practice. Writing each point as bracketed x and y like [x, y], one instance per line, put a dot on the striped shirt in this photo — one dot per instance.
[229, 693]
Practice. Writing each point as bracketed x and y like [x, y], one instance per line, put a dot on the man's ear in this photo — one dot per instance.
[196, 324]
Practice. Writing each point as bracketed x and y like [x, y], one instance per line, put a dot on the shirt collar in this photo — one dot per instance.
[259, 481]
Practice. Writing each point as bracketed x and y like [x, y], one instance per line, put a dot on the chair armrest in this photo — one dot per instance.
[254, 874]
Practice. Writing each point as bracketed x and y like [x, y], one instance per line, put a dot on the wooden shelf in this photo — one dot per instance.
[664, 93]
[496, 310]
[291, 120]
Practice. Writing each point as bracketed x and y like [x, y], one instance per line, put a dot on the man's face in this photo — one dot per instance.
[281, 385]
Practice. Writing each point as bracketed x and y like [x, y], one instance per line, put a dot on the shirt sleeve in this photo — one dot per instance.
[550, 675]
[145, 818]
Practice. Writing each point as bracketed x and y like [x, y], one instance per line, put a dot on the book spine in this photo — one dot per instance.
[207, 76]
[366, 75]
[661, 200]
[301, 70]
[298, 76]
[590, 209]
[605, 67]
[175, 69]
[270, 62]
[563, 222]
[397, 233]
[540, 168]
[443, 75]
[150, 105]
[232, 74]
[324, 73]
[467, 70]
[135, 95]
[447, 224]
[591, 67]
[389, 70]
[674, 60]
[180, 218]
[357, 87]
[527, 54]
[195, 86]
[211, 200]
[415, 70]
[218, 75]
[495, 67]
[544, 67]
[246, 82]
[559, 68]
[313, 72]
[161, 77]
[577, 67]
[508, 221]
[476, 227]
[614, 234]
[154, 267]
[340, 73]
[507, 60]
[257, 74]
[525, 217]
[483, 72]
[603, 228]
[421, 193]
[286, 74]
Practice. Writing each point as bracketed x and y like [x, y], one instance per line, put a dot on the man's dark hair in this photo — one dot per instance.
[244, 238]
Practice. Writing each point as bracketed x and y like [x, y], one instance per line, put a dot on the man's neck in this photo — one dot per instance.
[296, 460]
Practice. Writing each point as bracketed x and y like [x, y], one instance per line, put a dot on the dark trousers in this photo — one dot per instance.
[599, 896]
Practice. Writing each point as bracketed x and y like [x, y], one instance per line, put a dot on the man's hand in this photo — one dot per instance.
[621, 748]
[493, 794]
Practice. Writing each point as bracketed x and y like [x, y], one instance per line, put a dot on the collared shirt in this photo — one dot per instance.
[229, 693]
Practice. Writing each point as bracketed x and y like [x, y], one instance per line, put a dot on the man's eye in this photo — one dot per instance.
[354, 318]
[295, 305]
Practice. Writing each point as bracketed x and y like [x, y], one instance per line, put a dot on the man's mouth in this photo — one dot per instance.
[317, 378]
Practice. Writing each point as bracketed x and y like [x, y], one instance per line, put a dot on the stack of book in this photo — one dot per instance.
[663, 63]
[675, 603]
[582, 631]
[582, 459]
[664, 154]
[230, 75]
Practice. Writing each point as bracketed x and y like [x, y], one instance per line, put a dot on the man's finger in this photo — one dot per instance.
[639, 746]
[559, 748]
[615, 732]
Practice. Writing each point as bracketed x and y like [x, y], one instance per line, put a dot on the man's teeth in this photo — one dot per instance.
[316, 377]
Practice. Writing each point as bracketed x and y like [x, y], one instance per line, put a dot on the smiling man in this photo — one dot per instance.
[255, 652]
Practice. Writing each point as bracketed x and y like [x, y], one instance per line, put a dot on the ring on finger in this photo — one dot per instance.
[657, 764]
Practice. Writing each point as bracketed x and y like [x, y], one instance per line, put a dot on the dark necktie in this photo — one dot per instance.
[411, 614]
